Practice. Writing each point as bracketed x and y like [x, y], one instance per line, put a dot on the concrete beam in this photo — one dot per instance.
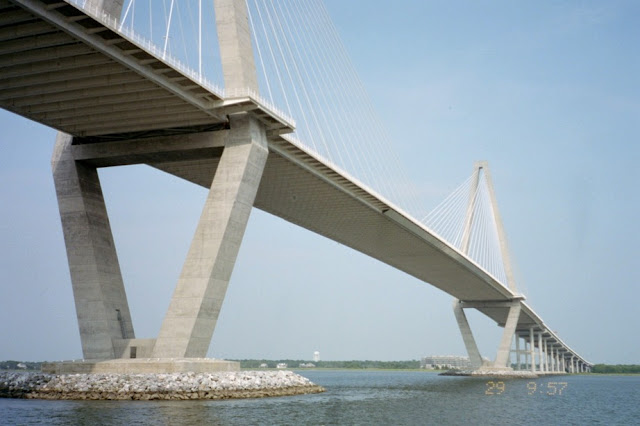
[151, 149]
[15, 17]
[105, 103]
[103, 68]
[58, 53]
[490, 304]
[105, 81]
[164, 112]
[44, 67]
[152, 123]
[25, 30]
[138, 84]
[36, 42]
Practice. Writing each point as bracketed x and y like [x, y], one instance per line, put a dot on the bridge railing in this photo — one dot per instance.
[116, 25]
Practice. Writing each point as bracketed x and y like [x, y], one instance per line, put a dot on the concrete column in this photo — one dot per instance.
[236, 51]
[540, 364]
[467, 336]
[532, 350]
[111, 7]
[504, 248]
[193, 312]
[517, 352]
[502, 357]
[101, 302]
[546, 355]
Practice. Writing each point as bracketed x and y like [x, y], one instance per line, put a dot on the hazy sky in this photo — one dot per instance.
[547, 92]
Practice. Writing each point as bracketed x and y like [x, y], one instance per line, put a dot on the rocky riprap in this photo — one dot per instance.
[172, 386]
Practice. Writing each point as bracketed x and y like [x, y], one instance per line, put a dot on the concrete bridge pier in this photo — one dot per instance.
[106, 330]
[502, 361]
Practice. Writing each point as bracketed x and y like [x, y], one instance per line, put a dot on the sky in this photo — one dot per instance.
[547, 92]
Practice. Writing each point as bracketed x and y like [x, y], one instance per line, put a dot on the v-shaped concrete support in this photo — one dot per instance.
[190, 321]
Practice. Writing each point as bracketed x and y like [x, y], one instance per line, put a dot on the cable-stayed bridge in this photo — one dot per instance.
[120, 98]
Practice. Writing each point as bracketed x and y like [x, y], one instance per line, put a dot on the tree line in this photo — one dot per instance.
[616, 369]
[353, 364]
[20, 365]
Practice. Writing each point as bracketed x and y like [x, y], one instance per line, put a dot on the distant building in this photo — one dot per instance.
[445, 361]
[281, 365]
[316, 356]
[307, 365]
[22, 366]
[264, 365]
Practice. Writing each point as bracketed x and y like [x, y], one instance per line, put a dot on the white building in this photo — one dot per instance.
[445, 361]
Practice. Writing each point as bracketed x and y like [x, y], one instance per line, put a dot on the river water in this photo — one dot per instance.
[371, 398]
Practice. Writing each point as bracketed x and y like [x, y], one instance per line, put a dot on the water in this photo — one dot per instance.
[370, 398]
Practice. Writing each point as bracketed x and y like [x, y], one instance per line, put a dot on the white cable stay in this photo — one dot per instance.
[303, 66]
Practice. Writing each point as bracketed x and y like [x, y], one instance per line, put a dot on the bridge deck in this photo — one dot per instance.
[69, 71]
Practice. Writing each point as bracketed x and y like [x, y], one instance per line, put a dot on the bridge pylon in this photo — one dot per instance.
[104, 320]
[514, 307]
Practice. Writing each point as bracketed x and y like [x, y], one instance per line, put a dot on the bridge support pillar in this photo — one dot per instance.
[532, 353]
[467, 335]
[101, 302]
[540, 363]
[502, 357]
[188, 326]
